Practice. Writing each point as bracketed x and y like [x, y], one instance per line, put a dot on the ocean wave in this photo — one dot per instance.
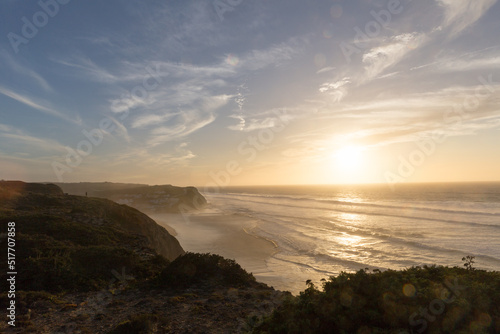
[372, 213]
[356, 203]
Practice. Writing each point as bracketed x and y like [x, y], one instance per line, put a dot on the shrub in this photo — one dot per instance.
[70, 243]
[379, 303]
[194, 269]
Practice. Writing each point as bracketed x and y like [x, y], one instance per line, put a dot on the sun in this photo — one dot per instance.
[348, 164]
[349, 157]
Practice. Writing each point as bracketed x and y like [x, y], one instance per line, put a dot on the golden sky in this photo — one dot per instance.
[251, 92]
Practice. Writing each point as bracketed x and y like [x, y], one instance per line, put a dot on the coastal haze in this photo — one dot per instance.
[303, 140]
[312, 232]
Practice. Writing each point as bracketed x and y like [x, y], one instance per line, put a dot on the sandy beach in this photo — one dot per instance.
[226, 235]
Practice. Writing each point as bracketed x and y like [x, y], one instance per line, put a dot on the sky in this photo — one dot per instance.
[240, 92]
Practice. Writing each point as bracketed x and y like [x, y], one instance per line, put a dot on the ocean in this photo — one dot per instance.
[319, 231]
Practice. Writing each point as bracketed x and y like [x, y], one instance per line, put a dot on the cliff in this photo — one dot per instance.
[90, 265]
[150, 199]
[45, 209]
[13, 189]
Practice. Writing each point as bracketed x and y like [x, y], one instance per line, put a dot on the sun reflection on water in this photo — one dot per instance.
[350, 219]
[352, 241]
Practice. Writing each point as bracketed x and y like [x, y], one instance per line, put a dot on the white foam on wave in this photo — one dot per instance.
[345, 231]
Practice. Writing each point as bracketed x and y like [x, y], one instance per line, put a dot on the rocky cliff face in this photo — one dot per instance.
[130, 220]
[44, 205]
[150, 199]
[90, 265]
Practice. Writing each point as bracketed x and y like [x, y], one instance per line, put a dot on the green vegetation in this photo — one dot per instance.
[73, 243]
[416, 300]
[56, 252]
[469, 262]
[160, 198]
[70, 244]
[209, 269]
[51, 265]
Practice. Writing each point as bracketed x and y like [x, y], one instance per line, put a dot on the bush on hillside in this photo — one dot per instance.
[46, 264]
[430, 299]
[194, 269]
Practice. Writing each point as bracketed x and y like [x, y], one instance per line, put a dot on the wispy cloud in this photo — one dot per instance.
[24, 69]
[85, 66]
[29, 101]
[276, 55]
[471, 64]
[136, 161]
[253, 124]
[168, 111]
[121, 129]
[271, 118]
[5, 128]
[34, 144]
[459, 15]
[325, 69]
[231, 65]
[335, 89]
[378, 59]
[149, 120]
[184, 124]
[240, 99]
[394, 119]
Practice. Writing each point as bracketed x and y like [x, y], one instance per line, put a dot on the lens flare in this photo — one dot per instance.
[232, 60]
[327, 33]
[409, 290]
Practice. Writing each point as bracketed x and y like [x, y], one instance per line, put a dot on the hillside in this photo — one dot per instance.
[150, 199]
[428, 299]
[92, 188]
[46, 210]
[90, 265]
[10, 190]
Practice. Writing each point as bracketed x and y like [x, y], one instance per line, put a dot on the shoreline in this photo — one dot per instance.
[231, 237]
[226, 235]
[258, 237]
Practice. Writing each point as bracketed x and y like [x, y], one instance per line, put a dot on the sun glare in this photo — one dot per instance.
[349, 157]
